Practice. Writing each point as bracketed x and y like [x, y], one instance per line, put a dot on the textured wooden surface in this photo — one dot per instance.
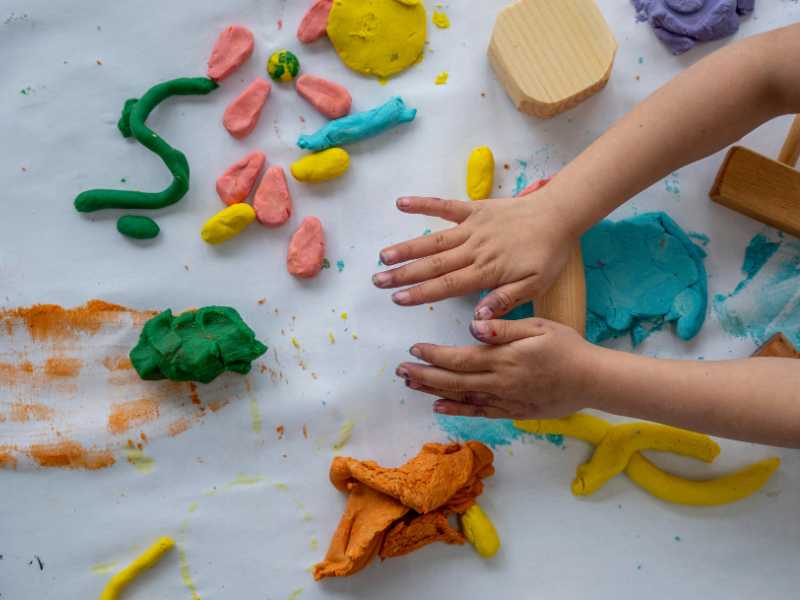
[550, 55]
[565, 301]
[778, 346]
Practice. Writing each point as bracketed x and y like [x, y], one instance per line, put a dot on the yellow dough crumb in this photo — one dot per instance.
[378, 37]
[665, 486]
[143, 562]
[479, 530]
[442, 78]
[228, 223]
[321, 166]
[441, 20]
[480, 173]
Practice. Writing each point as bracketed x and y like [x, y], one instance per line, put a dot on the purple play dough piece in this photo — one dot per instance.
[680, 24]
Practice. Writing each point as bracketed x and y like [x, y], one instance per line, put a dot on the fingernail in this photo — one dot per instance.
[484, 313]
[413, 385]
[381, 279]
[401, 298]
[387, 256]
[439, 408]
[402, 372]
[479, 329]
[414, 351]
[403, 202]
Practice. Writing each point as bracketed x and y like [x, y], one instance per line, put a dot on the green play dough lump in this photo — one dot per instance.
[196, 345]
[140, 228]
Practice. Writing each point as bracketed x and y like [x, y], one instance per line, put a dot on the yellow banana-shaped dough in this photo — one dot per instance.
[143, 562]
[480, 531]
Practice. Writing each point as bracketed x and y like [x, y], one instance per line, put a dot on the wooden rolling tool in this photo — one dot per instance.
[778, 346]
[762, 188]
[565, 301]
[550, 55]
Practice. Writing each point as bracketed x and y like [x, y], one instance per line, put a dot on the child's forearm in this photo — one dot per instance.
[705, 108]
[756, 400]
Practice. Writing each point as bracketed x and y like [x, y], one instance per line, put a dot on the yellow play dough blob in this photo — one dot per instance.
[228, 223]
[480, 531]
[321, 166]
[442, 78]
[662, 485]
[441, 20]
[378, 37]
[480, 173]
[145, 561]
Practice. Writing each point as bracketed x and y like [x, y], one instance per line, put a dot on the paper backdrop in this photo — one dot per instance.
[242, 482]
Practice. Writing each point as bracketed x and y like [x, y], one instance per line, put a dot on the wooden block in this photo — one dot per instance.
[550, 55]
[565, 301]
[761, 188]
[778, 346]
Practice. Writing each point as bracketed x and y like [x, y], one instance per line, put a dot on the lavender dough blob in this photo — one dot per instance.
[680, 24]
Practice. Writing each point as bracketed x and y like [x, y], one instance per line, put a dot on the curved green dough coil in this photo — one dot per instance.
[132, 123]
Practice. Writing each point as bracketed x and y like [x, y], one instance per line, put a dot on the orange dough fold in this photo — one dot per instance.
[394, 511]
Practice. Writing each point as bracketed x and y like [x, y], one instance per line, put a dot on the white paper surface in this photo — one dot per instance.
[257, 540]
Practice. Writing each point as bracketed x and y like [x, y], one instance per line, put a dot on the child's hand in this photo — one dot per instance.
[531, 369]
[516, 246]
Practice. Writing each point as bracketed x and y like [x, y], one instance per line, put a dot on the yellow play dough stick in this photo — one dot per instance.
[480, 531]
[145, 561]
[227, 223]
[670, 488]
[623, 441]
[710, 492]
[480, 173]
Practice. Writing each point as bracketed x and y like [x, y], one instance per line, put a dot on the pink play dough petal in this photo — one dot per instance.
[235, 184]
[234, 46]
[315, 22]
[242, 114]
[273, 202]
[329, 98]
[306, 249]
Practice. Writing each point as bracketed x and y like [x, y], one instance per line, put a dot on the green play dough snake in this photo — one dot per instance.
[132, 123]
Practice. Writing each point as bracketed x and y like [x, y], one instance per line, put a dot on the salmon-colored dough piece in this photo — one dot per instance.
[306, 249]
[315, 22]
[329, 98]
[236, 183]
[241, 116]
[273, 202]
[233, 47]
[394, 511]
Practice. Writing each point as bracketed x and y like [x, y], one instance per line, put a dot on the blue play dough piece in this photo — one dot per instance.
[641, 274]
[360, 126]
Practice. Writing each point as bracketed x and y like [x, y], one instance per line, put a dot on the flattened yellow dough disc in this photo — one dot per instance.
[377, 37]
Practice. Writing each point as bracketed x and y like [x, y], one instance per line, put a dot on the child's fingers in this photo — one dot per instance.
[464, 359]
[450, 210]
[424, 269]
[449, 285]
[442, 379]
[424, 246]
[504, 332]
[475, 398]
[502, 300]
[462, 409]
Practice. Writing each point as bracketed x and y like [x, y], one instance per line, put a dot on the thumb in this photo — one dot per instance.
[504, 299]
[504, 332]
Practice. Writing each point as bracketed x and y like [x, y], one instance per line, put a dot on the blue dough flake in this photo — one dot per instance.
[359, 126]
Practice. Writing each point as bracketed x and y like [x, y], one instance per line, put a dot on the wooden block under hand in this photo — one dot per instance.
[550, 55]
[778, 346]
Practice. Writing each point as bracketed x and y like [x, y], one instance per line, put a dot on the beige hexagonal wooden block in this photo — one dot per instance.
[550, 55]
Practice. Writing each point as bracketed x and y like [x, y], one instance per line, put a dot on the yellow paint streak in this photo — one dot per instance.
[143, 562]
[186, 575]
[256, 421]
[193, 507]
[242, 479]
[331, 339]
[143, 464]
[314, 543]
[103, 568]
[295, 343]
[295, 594]
[345, 434]
[281, 486]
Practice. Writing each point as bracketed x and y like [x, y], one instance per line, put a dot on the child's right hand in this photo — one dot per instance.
[515, 246]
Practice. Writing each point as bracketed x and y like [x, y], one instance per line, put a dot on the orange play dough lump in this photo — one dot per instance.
[394, 511]
[241, 116]
[234, 46]
[306, 249]
[236, 183]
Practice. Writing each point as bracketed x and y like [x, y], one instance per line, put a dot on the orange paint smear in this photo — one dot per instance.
[70, 455]
[216, 405]
[117, 363]
[193, 393]
[7, 459]
[22, 413]
[62, 367]
[136, 412]
[179, 426]
[52, 322]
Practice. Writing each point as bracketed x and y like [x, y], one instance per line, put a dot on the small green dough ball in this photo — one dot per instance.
[140, 228]
[283, 66]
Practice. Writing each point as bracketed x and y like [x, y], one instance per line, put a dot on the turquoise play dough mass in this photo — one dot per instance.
[359, 126]
[641, 273]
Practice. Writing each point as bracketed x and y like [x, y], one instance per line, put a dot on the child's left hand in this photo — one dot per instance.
[531, 368]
